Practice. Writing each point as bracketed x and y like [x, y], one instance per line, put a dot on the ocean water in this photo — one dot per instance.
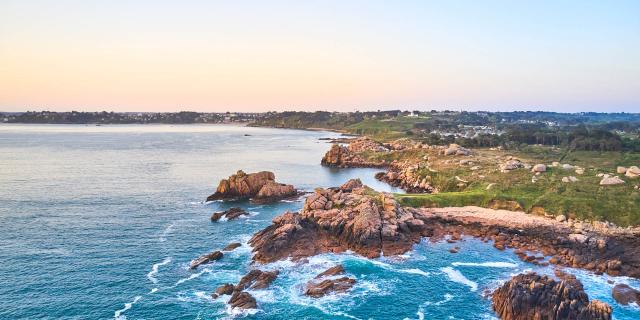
[101, 222]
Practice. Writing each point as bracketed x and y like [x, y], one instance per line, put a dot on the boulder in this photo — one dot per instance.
[204, 259]
[539, 168]
[456, 150]
[257, 279]
[567, 166]
[511, 165]
[633, 172]
[242, 300]
[344, 157]
[561, 218]
[531, 296]
[224, 289]
[624, 294]
[610, 181]
[621, 170]
[339, 269]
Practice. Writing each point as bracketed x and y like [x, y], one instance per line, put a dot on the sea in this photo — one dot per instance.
[101, 222]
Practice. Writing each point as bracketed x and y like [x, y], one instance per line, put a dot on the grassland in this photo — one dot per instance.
[385, 129]
[584, 199]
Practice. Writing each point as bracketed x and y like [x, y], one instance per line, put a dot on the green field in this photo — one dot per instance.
[584, 199]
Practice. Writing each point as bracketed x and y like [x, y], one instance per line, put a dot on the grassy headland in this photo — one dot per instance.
[597, 143]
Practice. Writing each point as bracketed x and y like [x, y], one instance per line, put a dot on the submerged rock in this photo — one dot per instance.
[245, 186]
[232, 246]
[624, 294]
[229, 214]
[339, 269]
[531, 296]
[204, 259]
[322, 288]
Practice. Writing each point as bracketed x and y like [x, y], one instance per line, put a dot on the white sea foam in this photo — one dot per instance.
[154, 290]
[155, 268]
[456, 276]
[166, 232]
[237, 312]
[118, 314]
[415, 271]
[496, 264]
[203, 295]
[193, 276]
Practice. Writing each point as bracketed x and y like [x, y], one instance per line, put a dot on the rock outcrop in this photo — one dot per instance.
[407, 177]
[242, 300]
[540, 240]
[229, 214]
[342, 157]
[624, 294]
[204, 259]
[531, 296]
[256, 279]
[260, 186]
[336, 220]
[273, 191]
[455, 150]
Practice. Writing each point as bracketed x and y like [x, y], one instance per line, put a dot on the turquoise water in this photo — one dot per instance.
[102, 222]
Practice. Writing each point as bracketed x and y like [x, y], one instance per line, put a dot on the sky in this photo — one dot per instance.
[342, 55]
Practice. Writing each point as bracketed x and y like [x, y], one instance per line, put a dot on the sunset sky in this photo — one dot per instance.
[319, 55]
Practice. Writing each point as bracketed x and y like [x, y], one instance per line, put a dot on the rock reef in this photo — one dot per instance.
[354, 217]
[259, 187]
[204, 259]
[256, 279]
[531, 296]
